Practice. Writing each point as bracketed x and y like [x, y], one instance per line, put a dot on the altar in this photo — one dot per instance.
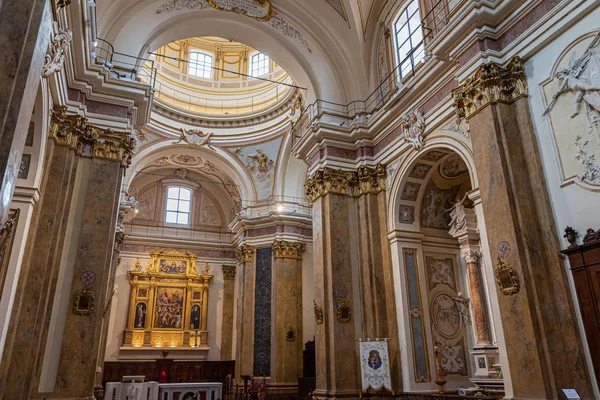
[163, 391]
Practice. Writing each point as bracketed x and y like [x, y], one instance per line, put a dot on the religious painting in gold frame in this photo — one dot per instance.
[169, 302]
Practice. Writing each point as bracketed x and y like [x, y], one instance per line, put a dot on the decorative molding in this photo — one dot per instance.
[413, 128]
[75, 132]
[244, 253]
[260, 10]
[61, 3]
[349, 183]
[195, 138]
[119, 241]
[229, 272]
[285, 249]
[57, 49]
[491, 83]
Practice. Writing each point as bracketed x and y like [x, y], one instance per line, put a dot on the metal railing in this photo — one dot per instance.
[360, 111]
[124, 66]
[273, 205]
[224, 103]
[217, 235]
[436, 19]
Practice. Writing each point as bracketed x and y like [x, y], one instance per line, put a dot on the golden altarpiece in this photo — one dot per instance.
[169, 303]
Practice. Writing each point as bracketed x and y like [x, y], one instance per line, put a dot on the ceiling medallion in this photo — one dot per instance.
[260, 10]
[503, 249]
[88, 277]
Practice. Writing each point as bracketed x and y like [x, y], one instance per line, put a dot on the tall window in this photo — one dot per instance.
[259, 65]
[179, 200]
[408, 35]
[200, 65]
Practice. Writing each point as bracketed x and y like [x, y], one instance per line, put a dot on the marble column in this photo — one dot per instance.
[53, 351]
[375, 265]
[246, 256]
[25, 28]
[478, 311]
[287, 321]
[227, 316]
[334, 241]
[543, 343]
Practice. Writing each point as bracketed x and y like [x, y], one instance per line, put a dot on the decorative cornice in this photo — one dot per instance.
[349, 183]
[413, 128]
[57, 49]
[229, 272]
[75, 132]
[244, 253]
[285, 249]
[491, 83]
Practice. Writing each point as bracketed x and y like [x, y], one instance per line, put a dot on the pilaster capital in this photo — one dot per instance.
[491, 83]
[285, 249]
[57, 49]
[229, 272]
[244, 253]
[349, 183]
[471, 257]
[75, 132]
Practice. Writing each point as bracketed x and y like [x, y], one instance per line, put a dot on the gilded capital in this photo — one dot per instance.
[328, 180]
[75, 132]
[350, 183]
[244, 253]
[285, 249]
[490, 84]
[229, 272]
[370, 180]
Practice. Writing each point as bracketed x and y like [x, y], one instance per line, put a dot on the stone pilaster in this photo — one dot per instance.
[543, 344]
[287, 287]
[246, 257]
[54, 350]
[339, 231]
[25, 28]
[375, 265]
[227, 319]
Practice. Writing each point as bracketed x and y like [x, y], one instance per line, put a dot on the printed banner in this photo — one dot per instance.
[375, 365]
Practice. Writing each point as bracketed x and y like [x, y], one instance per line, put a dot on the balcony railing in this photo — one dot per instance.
[437, 18]
[124, 66]
[274, 205]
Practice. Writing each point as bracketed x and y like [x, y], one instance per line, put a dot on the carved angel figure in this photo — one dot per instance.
[457, 214]
[582, 77]
[260, 163]
[195, 138]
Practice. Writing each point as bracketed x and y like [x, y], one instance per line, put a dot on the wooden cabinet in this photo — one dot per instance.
[585, 266]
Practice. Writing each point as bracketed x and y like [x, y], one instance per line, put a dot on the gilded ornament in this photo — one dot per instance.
[244, 253]
[491, 84]
[344, 312]
[83, 302]
[350, 183]
[75, 132]
[506, 278]
[285, 249]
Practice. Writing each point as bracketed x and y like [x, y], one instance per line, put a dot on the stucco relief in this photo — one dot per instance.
[572, 95]
[436, 202]
[260, 160]
[147, 204]
[453, 167]
[441, 272]
[209, 212]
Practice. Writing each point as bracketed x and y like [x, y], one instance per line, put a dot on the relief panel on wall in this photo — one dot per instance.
[147, 204]
[572, 95]
[447, 323]
[209, 212]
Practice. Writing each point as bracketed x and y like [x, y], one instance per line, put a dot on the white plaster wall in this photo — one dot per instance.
[572, 205]
[120, 308]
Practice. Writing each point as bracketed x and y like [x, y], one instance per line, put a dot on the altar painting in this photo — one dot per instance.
[169, 308]
[172, 267]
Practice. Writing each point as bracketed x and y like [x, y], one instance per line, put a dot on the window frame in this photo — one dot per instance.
[266, 67]
[179, 201]
[200, 69]
[418, 48]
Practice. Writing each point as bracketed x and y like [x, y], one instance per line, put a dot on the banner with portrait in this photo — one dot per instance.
[374, 365]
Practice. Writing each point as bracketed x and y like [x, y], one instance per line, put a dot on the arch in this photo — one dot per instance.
[442, 143]
[218, 157]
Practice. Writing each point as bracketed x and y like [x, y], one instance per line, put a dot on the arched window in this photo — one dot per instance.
[408, 36]
[200, 65]
[179, 200]
[259, 64]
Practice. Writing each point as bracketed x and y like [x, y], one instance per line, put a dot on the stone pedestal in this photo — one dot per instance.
[227, 316]
[542, 340]
[52, 349]
[287, 305]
